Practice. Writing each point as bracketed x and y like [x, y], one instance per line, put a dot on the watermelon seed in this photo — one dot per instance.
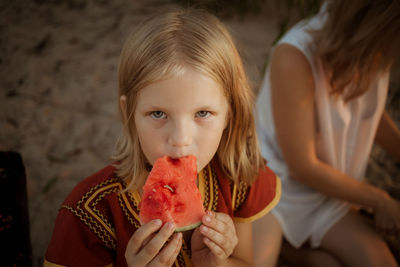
[154, 190]
[168, 187]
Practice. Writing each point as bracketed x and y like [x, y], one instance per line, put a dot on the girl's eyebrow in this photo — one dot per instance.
[208, 107]
[153, 107]
[204, 107]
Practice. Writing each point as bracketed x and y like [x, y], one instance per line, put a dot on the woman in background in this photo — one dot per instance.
[320, 109]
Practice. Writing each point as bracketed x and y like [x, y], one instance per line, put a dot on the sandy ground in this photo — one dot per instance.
[58, 101]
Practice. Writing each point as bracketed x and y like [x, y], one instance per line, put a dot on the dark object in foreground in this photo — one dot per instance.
[14, 219]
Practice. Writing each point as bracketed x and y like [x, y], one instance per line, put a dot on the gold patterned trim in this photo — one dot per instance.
[214, 192]
[106, 190]
[100, 227]
[202, 187]
[211, 187]
[242, 196]
[110, 243]
[136, 198]
[272, 204]
[104, 235]
[136, 205]
[124, 203]
[234, 192]
[208, 187]
[239, 195]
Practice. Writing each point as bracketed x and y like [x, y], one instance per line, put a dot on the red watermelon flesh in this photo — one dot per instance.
[171, 194]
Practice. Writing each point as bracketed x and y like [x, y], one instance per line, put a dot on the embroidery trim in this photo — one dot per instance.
[101, 228]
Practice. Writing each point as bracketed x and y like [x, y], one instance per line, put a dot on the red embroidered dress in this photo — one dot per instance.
[96, 221]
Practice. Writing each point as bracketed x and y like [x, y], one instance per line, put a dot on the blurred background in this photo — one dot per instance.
[58, 87]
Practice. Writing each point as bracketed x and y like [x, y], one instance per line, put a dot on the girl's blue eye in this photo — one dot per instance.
[203, 114]
[157, 114]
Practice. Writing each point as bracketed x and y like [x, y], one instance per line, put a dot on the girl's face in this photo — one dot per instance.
[182, 115]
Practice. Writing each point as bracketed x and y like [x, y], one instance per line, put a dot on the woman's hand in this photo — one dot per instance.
[146, 246]
[214, 241]
[387, 214]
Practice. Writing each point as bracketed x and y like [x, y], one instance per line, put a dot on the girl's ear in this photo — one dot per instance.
[122, 105]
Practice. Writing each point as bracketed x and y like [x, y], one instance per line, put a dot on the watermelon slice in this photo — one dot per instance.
[171, 194]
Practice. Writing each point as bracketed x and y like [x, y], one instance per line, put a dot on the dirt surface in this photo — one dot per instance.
[58, 101]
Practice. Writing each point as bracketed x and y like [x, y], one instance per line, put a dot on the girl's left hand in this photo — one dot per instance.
[214, 241]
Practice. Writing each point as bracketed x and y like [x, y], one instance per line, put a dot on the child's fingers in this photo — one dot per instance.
[139, 237]
[218, 251]
[179, 237]
[219, 228]
[226, 242]
[213, 235]
[215, 215]
[218, 221]
[223, 217]
[152, 248]
[168, 254]
[211, 221]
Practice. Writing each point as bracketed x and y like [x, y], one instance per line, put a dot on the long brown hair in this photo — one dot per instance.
[359, 39]
[159, 48]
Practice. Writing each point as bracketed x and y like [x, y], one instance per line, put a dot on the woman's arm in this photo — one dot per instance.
[388, 136]
[292, 91]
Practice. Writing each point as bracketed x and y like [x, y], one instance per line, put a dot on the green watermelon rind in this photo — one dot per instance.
[187, 227]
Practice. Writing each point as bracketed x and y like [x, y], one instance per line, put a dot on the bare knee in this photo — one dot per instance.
[378, 254]
[355, 243]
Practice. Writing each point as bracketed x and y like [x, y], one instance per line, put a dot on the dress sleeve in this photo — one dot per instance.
[252, 202]
[74, 244]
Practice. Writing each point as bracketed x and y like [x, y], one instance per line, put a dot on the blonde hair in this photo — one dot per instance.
[359, 39]
[159, 48]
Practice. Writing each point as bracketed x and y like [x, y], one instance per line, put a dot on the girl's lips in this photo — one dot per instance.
[177, 155]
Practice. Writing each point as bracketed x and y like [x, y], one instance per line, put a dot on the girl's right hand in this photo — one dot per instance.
[387, 214]
[146, 246]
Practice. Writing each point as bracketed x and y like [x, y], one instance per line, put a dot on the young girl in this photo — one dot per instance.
[182, 91]
[319, 111]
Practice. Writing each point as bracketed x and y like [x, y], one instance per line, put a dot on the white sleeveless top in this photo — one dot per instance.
[344, 138]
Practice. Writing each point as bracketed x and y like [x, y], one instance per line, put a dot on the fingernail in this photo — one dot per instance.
[179, 235]
[170, 225]
[209, 212]
[207, 218]
[204, 229]
[157, 222]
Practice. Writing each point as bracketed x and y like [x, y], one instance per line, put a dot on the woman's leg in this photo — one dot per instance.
[305, 256]
[267, 239]
[267, 242]
[356, 243]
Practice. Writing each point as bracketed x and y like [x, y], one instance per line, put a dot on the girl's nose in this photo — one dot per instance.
[180, 134]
